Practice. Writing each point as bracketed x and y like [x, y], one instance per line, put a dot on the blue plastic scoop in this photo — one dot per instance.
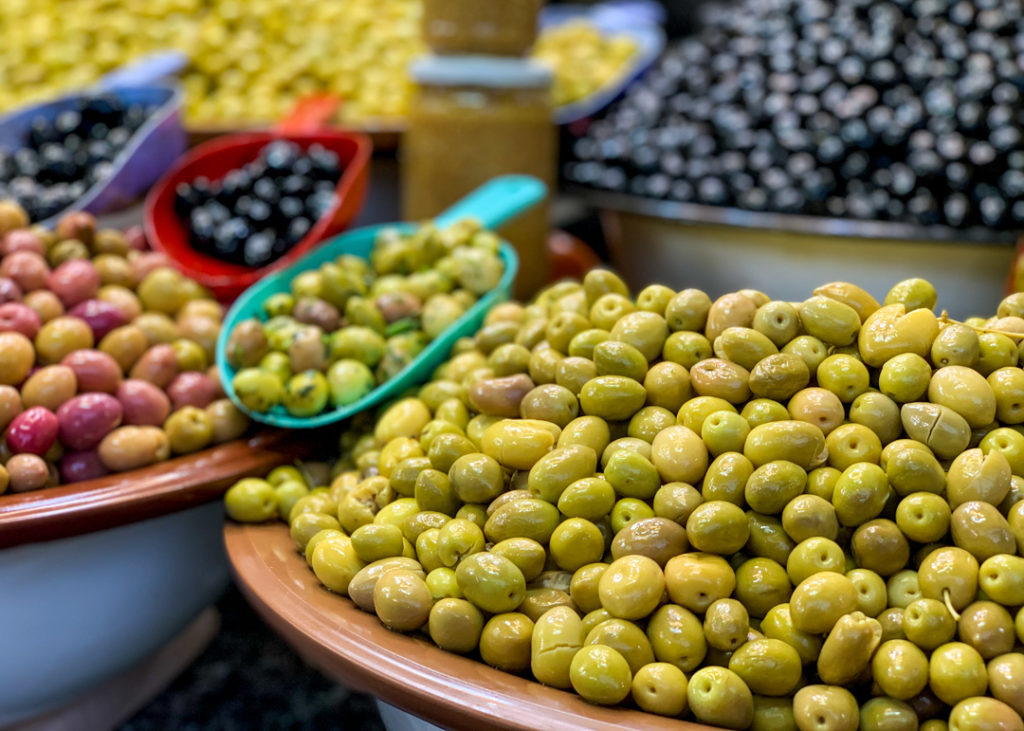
[491, 204]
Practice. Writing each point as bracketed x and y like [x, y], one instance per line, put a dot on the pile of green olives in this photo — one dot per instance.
[354, 323]
[755, 513]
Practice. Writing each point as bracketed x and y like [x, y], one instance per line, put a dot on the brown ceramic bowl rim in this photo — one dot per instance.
[167, 487]
[354, 648]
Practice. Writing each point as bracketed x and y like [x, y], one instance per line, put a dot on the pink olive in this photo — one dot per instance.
[142, 403]
[146, 262]
[81, 466]
[33, 431]
[192, 389]
[29, 271]
[77, 225]
[158, 365]
[136, 238]
[23, 239]
[9, 290]
[19, 318]
[94, 370]
[27, 472]
[87, 418]
[75, 281]
[99, 315]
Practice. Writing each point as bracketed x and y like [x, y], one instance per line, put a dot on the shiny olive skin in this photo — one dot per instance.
[984, 714]
[988, 628]
[956, 671]
[626, 638]
[631, 587]
[719, 696]
[825, 708]
[761, 584]
[695, 580]
[660, 688]
[505, 641]
[927, 623]
[1006, 679]
[767, 666]
[820, 600]
[556, 638]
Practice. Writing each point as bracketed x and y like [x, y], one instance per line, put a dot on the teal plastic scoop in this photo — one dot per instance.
[491, 204]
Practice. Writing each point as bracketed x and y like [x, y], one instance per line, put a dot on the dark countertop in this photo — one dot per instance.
[248, 678]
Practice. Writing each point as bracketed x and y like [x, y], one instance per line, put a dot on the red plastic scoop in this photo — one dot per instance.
[216, 158]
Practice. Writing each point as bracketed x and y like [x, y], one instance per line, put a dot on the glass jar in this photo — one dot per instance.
[471, 119]
[498, 27]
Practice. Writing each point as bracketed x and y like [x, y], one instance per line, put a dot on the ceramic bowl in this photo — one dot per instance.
[412, 674]
[98, 575]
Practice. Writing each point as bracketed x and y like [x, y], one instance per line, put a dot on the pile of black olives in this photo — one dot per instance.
[64, 156]
[896, 110]
[257, 213]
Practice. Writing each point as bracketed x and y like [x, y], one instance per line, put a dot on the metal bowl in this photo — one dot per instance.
[721, 249]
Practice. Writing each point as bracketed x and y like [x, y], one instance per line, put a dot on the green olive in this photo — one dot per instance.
[825, 708]
[688, 310]
[557, 637]
[820, 600]
[726, 478]
[505, 641]
[718, 696]
[761, 584]
[762, 410]
[956, 671]
[807, 516]
[695, 580]
[984, 714]
[491, 581]
[767, 666]
[844, 376]
[631, 587]
[717, 527]
[660, 688]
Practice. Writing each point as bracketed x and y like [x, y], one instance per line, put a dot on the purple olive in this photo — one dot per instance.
[33, 431]
[81, 466]
[87, 418]
[100, 316]
[143, 404]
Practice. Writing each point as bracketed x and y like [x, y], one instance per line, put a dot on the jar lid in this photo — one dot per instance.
[485, 71]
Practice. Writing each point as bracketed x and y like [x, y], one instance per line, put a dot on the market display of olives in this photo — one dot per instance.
[105, 355]
[258, 212]
[828, 540]
[352, 324]
[897, 110]
[251, 62]
[63, 157]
